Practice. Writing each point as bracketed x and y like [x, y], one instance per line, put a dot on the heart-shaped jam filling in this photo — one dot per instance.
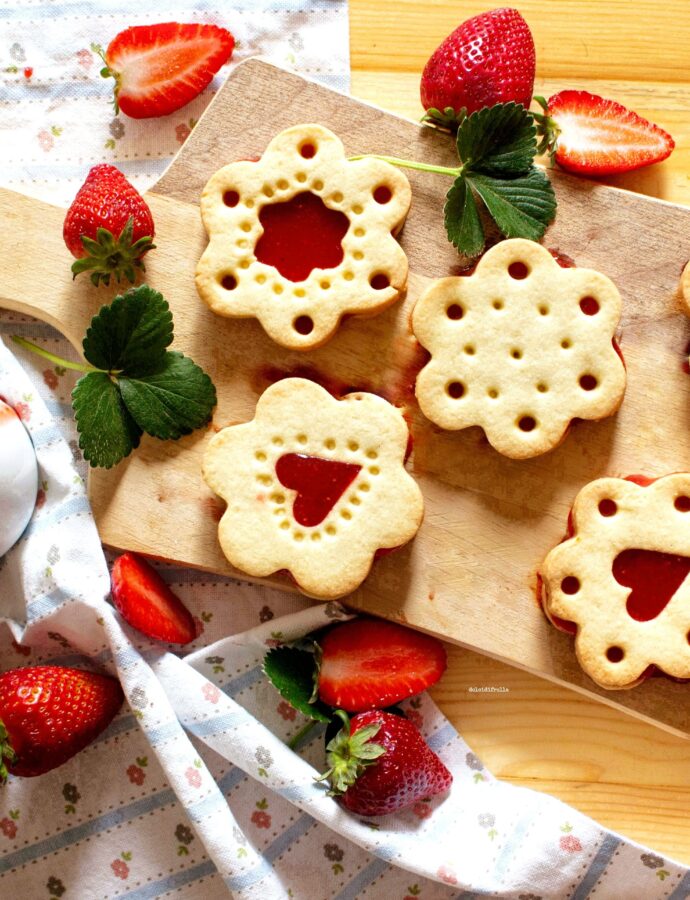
[654, 578]
[319, 483]
[301, 234]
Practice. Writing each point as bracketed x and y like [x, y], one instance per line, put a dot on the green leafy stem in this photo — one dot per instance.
[496, 179]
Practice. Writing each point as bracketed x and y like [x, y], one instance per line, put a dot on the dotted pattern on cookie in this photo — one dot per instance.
[381, 507]
[610, 516]
[520, 347]
[373, 196]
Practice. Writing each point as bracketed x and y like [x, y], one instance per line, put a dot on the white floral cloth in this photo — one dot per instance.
[191, 791]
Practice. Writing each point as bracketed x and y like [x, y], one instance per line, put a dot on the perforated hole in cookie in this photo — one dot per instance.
[354, 500]
[615, 654]
[303, 325]
[329, 444]
[380, 281]
[570, 585]
[382, 194]
[493, 393]
[260, 455]
[307, 150]
[372, 454]
[543, 310]
[337, 197]
[518, 270]
[566, 343]
[455, 311]
[516, 353]
[682, 503]
[348, 275]
[455, 389]
[498, 305]
[588, 382]
[589, 306]
[324, 284]
[345, 514]
[352, 446]
[267, 190]
[359, 232]
[302, 438]
[283, 184]
[228, 282]
[527, 423]
[260, 278]
[470, 349]
[358, 209]
[542, 387]
[331, 529]
[301, 177]
[231, 198]
[607, 507]
[278, 288]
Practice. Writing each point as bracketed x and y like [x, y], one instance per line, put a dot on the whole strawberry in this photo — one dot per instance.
[488, 59]
[49, 713]
[108, 227]
[379, 764]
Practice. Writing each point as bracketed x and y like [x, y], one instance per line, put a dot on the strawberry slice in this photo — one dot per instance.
[146, 602]
[590, 135]
[367, 663]
[159, 68]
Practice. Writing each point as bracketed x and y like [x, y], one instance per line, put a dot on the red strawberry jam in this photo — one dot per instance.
[300, 235]
[319, 483]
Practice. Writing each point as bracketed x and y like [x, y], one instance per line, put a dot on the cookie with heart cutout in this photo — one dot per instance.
[520, 347]
[619, 580]
[314, 485]
[302, 237]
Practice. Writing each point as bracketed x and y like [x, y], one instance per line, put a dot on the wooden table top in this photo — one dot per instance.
[627, 775]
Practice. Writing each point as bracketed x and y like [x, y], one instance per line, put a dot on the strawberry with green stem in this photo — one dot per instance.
[108, 227]
[496, 179]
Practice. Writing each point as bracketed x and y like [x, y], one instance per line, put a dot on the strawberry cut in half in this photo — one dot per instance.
[146, 602]
[379, 763]
[590, 135]
[368, 663]
[49, 713]
[108, 227]
[488, 59]
[160, 68]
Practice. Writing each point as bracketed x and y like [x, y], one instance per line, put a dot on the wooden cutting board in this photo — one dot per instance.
[469, 576]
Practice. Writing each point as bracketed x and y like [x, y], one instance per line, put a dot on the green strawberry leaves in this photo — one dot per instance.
[497, 146]
[133, 383]
[292, 672]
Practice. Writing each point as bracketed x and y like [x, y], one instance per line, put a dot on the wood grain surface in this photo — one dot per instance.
[628, 775]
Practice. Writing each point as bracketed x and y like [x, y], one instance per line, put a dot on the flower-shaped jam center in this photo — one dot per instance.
[300, 235]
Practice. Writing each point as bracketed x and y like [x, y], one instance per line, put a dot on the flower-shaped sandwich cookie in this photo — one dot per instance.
[314, 485]
[302, 237]
[520, 347]
[621, 579]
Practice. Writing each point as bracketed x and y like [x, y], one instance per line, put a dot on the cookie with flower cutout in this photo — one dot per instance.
[619, 580]
[520, 347]
[302, 237]
[314, 485]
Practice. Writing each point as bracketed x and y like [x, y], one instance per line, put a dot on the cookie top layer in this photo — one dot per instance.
[314, 485]
[520, 347]
[305, 161]
[621, 627]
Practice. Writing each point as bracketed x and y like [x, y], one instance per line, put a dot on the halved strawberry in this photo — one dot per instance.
[590, 135]
[159, 68]
[368, 663]
[146, 602]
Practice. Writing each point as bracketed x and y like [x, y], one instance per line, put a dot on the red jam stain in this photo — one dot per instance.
[213, 507]
[319, 483]
[301, 234]
[654, 578]
[563, 260]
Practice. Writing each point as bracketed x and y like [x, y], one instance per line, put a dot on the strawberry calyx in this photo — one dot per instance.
[547, 129]
[107, 72]
[108, 255]
[7, 754]
[348, 755]
[445, 120]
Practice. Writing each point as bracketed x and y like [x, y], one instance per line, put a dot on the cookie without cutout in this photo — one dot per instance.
[354, 207]
[314, 485]
[520, 347]
[594, 579]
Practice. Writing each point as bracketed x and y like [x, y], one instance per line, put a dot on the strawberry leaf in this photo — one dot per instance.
[171, 402]
[107, 432]
[498, 140]
[131, 334]
[520, 207]
[291, 672]
[461, 216]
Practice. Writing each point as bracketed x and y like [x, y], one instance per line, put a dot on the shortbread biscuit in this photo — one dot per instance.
[314, 485]
[361, 269]
[621, 579]
[520, 347]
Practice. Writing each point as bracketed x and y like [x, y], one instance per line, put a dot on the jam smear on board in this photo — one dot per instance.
[300, 235]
